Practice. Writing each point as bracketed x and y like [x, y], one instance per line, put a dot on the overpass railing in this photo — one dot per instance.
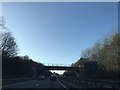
[53, 64]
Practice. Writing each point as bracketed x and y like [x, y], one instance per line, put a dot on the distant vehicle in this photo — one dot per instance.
[53, 77]
[41, 77]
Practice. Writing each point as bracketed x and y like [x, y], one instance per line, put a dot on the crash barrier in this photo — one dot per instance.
[14, 80]
[91, 83]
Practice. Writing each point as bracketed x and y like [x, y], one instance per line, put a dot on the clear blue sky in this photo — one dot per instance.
[59, 32]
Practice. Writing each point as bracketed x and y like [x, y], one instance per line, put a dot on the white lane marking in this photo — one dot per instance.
[62, 85]
[34, 82]
[37, 85]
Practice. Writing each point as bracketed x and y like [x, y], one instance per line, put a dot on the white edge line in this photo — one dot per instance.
[62, 85]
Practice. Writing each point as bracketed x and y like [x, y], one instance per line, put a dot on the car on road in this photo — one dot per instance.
[53, 77]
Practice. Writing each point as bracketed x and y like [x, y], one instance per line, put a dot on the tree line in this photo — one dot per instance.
[106, 54]
[14, 66]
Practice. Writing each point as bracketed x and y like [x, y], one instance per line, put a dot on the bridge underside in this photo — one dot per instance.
[60, 68]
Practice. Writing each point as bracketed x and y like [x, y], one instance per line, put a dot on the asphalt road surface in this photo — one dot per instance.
[46, 83]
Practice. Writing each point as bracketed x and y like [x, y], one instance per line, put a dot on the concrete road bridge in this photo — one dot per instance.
[51, 66]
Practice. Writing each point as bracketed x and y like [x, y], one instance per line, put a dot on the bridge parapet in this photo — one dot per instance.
[61, 65]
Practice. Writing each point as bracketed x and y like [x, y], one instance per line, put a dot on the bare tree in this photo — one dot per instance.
[8, 45]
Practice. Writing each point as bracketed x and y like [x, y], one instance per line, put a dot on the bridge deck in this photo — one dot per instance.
[60, 68]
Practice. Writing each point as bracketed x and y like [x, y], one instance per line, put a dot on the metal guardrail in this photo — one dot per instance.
[93, 83]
